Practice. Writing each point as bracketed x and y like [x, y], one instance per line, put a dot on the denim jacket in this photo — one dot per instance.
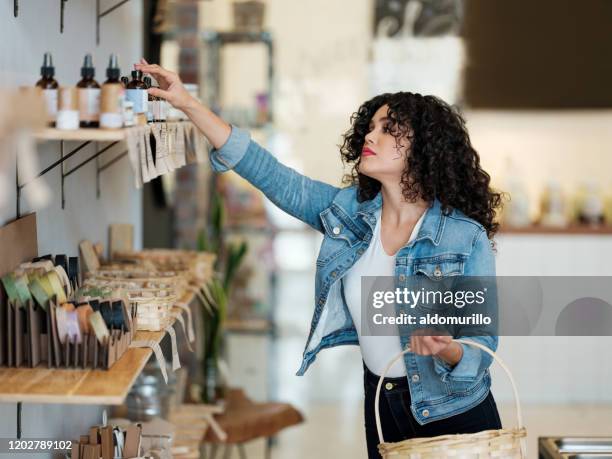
[446, 244]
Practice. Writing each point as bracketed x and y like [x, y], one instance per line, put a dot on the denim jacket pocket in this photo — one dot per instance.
[337, 238]
[436, 274]
[336, 227]
[461, 387]
[437, 268]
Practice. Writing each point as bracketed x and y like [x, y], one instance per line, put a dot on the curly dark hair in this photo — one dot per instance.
[441, 162]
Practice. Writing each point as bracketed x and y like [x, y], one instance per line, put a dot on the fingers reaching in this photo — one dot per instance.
[156, 92]
[158, 72]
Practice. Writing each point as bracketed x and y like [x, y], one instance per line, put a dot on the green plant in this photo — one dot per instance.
[215, 294]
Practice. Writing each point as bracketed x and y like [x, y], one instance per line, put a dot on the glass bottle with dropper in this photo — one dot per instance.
[152, 101]
[112, 98]
[137, 94]
[113, 72]
[49, 86]
[89, 95]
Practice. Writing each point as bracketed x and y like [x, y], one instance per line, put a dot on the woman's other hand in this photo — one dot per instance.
[441, 346]
[170, 88]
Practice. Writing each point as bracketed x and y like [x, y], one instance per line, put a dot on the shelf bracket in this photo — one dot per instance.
[100, 14]
[62, 11]
[63, 157]
[19, 420]
[102, 168]
[66, 173]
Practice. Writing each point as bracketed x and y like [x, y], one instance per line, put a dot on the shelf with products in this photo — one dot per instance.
[91, 134]
[80, 386]
[157, 148]
[582, 230]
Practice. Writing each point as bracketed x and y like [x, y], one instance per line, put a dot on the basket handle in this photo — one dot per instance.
[519, 414]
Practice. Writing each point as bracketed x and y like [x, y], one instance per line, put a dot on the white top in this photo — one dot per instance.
[377, 351]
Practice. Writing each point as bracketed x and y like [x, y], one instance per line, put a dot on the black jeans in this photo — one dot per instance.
[399, 424]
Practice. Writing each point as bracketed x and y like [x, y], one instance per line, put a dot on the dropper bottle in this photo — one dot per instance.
[113, 72]
[152, 105]
[137, 94]
[49, 87]
[112, 99]
[89, 95]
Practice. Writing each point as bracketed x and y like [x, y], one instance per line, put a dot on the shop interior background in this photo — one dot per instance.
[533, 81]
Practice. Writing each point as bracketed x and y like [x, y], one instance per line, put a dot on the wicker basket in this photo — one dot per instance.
[154, 308]
[488, 444]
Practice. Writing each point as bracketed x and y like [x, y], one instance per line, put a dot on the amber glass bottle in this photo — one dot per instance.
[137, 94]
[89, 95]
[49, 86]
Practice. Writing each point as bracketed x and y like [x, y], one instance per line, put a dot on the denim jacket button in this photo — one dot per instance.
[437, 272]
[402, 277]
[425, 413]
[336, 230]
[321, 301]
[389, 386]
[334, 274]
[415, 378]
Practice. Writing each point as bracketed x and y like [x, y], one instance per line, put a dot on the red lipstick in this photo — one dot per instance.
[367, 152]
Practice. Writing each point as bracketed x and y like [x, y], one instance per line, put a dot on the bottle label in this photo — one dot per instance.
[50, 96]
[139, 98]
[89, 104]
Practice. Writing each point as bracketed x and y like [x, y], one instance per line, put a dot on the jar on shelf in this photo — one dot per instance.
[590, 204]
[553, 206]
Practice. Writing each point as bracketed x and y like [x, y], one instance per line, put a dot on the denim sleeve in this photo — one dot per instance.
[473, 362]
[294, 193]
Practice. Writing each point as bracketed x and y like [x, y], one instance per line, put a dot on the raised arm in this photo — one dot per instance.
[233, 148]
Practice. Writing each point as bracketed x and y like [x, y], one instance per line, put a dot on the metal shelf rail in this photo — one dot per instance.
[66, 173]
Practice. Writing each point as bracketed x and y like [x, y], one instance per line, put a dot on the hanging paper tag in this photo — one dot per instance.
[134, 155]
[151, 166]
[160, 151]
[176, 364]
[179, 317]
[159, 355]
[185, 307]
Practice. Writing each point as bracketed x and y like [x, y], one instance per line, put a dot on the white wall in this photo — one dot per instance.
[555, 369]
[23, 41]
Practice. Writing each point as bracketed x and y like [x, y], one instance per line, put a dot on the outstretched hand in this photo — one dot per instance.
[170, 88]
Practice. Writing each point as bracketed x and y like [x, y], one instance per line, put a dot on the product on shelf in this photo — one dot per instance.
[154, 281]
[68, 112]
[151, 100]
[51, 320]
[553, 206]
[137, 94]
[49, 86]
[112, 98]
[590, 204]
[110, 442]
[89, 95]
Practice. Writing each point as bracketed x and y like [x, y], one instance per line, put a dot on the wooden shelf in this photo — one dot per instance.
[79, 386]
[567, 230]
[87, 134]
[83, 135]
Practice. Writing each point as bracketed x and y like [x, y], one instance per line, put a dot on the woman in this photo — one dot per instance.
[418, 203]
